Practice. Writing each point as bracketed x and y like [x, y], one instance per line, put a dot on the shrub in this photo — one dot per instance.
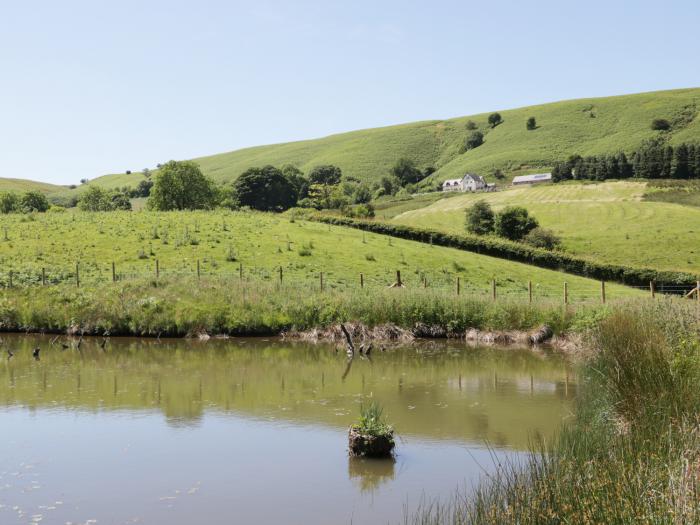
[542, 238]
[471, 125]
[495, 119]
[660, 124]
[474, 140]
[514, 223]
[480, 218]
[531, 124]
[34, 201]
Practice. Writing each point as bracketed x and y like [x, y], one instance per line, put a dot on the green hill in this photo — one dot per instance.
[612, 222]
[583, 126]
[30, 185]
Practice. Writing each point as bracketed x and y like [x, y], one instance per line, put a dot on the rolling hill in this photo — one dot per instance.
[583, 126]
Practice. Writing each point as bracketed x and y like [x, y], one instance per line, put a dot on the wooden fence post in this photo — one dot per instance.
[77, 275]
[529, 291]
[493, 289]
[280, 275]
[362, 281]
[10, 278]
[458, 285]
[566, 292]
[652, 288]
[321, 280]
[199, 273]
[43, 276]
[157, 269]
[114, 273]
[240, 270]
[399, 284]
[602, 291]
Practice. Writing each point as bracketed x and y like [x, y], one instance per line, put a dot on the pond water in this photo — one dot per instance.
[255, 431]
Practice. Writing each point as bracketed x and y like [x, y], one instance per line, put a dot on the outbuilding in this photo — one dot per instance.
[532, 179]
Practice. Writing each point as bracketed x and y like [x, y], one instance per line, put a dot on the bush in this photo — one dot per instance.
[471, 125]
[326, 174]
[480, 218]
[542, 238]
[660, 124]
[531, 124]
[34, 201]
[514, 223]
[474, 140]
[495, 119]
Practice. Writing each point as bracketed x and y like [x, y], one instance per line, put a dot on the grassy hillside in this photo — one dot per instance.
[261, 243]
[584, 126]
[29, 185]
[609, 221]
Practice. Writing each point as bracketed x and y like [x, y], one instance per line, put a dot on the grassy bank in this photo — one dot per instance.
[633, 453]
[179, 307]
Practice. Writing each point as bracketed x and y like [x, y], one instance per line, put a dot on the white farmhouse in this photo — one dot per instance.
[469, 182]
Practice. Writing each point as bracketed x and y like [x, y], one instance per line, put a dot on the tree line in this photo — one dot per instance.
[652, 160]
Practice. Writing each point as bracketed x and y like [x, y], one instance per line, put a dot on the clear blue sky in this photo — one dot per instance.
[94, 87]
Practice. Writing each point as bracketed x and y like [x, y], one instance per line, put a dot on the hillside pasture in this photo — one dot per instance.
[259, 244]
[610, 222]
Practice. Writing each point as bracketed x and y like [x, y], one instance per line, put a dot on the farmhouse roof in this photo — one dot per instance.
[537, 177]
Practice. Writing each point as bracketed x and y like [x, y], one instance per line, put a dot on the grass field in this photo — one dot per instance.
[608, 221]
[29, 185]
[584, 126]
[262, 244]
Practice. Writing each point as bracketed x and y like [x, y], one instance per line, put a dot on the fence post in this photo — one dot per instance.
[399, 284]
[362, 281]
[43, 276]
[425, 281]
[458, 285]
[493, 289]
[157, 269]
[529, 291]
[198, 270]
[321, 280]
[697, 290]
[10, 278]
[280, 275]
[114, 273]
[602, 291]
[652, 288]
[566, 292]
[240, 270]
[77, 275]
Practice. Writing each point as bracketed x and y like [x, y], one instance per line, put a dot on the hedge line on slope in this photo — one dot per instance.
[514, 251]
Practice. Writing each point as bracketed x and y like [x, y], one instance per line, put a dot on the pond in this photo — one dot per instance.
[255, 430]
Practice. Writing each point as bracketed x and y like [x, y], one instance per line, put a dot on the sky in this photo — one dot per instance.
[99, 86]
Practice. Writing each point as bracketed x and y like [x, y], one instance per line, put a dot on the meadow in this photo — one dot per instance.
[256, 247]
[611, 222]
[590, 126]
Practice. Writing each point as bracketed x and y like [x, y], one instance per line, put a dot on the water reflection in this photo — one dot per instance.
[368, 474]
[255, 431]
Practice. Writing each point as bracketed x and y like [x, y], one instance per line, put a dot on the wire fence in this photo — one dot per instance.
[91, 274]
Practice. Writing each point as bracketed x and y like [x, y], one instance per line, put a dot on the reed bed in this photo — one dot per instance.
[633, 453]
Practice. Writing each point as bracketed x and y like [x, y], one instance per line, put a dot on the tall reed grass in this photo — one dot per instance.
[633, 453]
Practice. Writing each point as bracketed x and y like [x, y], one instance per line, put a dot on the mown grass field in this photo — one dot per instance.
[262, 244]
[584, 126]
[609, 221]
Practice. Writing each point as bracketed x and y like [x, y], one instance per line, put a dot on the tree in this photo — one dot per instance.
[480, 218]
[514, 223]
[265, 189]
[542, 238]
[561, 171]
[497, 173]
[660, 124]
[181, 185]
[120, 201]
[531, 124]
[495, 119]
[9, 202]
[406, 172]
[143, 188]
[471, 125]
[362, 194]
[325, 174]
[474, 140]
[95, 199]
[296, 177]
[146, 172]
[34, 201]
